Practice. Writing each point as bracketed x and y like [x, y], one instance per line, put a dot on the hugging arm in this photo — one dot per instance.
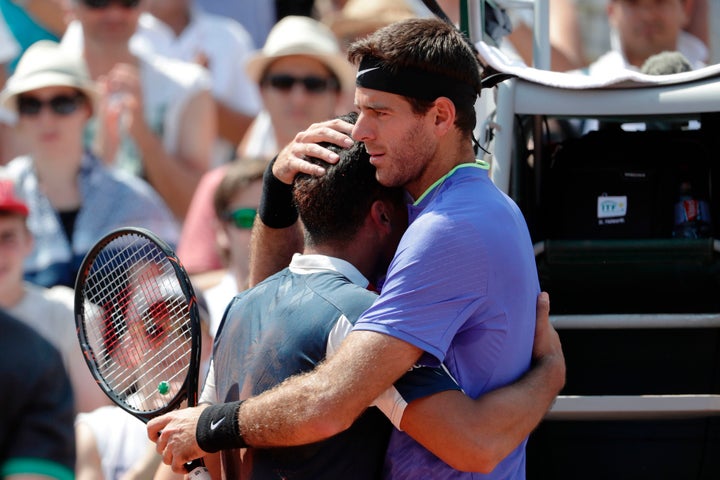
[467, 434]
[475, 435]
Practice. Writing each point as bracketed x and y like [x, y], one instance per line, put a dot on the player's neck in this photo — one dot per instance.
[445, 159]
[360, 258]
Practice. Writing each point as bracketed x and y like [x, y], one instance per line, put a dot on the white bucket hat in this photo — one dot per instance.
[46, 64]
[296, 35]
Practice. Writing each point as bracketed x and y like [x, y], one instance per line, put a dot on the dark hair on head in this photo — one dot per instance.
[427, 44]
[239, 175]
[332, 207]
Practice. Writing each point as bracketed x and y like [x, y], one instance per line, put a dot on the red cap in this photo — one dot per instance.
[8, 201]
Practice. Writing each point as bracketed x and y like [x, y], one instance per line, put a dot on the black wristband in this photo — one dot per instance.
[217, 428]
[277, 209]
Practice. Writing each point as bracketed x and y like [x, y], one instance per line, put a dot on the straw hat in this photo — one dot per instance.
[358, 17]
[46, 64]
[296, 35]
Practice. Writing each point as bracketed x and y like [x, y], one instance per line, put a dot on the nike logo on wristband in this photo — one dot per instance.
[214, 425]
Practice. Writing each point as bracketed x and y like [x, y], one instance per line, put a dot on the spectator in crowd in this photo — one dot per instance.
[643, 28]
[302, 76]
[73, 198]
[36, 407]
[697, 36]
[50, 312]
[182, 30]
[156, 116]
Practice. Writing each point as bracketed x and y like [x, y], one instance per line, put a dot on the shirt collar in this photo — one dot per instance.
[307, 264]
[478, 164]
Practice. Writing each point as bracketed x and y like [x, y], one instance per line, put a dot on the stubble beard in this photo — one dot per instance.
[411, 156]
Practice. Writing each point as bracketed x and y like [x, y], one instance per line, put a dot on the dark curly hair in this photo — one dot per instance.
[332, 207]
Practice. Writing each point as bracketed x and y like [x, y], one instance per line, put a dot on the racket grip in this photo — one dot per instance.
[197, 471]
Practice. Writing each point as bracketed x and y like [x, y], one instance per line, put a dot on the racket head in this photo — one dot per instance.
[138, 323]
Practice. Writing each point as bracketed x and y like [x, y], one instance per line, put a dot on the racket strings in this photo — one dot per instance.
[136, 323]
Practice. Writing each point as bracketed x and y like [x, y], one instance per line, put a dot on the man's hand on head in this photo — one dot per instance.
[292, 158]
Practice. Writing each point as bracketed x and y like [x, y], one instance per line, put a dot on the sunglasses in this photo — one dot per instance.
[312, 84]
[61, 104]
[242, 218]
[97, 4]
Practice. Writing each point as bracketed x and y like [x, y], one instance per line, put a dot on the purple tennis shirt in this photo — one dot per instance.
[463, 287]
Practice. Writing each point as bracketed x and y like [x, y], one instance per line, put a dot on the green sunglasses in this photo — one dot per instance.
[242, 218]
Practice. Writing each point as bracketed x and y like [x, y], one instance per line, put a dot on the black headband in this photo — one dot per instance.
[412, 82]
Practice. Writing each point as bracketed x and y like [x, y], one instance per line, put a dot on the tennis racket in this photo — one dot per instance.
[138, 325]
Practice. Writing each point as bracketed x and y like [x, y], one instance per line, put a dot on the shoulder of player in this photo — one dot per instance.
[340, 292]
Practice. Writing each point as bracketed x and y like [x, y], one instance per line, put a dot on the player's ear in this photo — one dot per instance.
[380, 215]
[445, 113]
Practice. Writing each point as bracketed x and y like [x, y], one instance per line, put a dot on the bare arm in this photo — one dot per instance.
[566, 44]
[51, 14]
[305, 408]
[232, 124]
[565, 36]
[175, 178]
[475, 435]
[698, 19]
[87, 396]
[88, 465]
[522, 40]
[312, 407]
[146, 466]
[467, 434]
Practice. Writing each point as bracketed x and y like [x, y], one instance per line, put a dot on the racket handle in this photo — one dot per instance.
[197, 471]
